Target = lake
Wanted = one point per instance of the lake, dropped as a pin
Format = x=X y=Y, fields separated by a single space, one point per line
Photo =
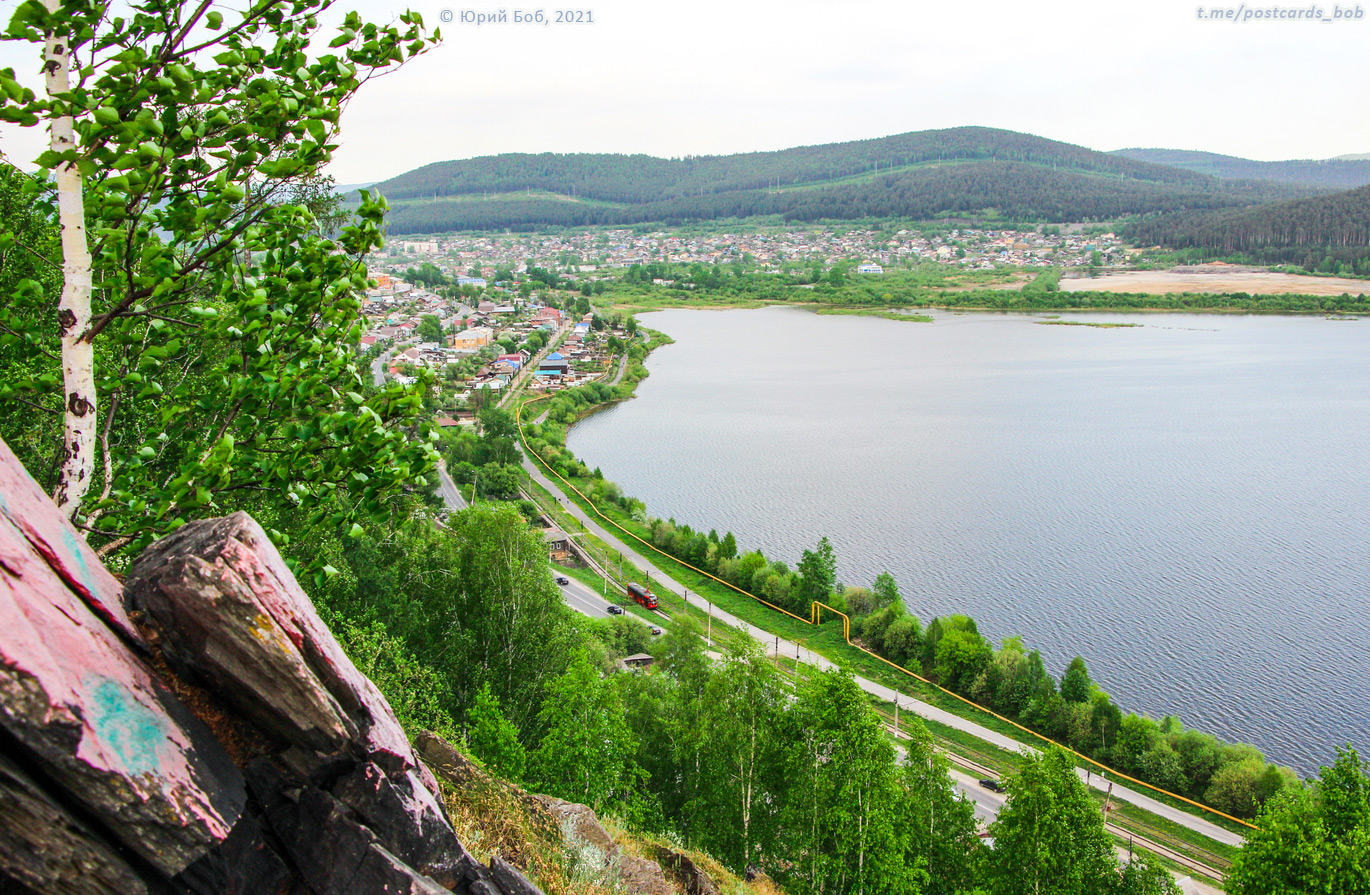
x=1184 y=503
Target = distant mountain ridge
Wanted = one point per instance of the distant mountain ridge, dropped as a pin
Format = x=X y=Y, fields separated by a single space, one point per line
x=1344 y=172
x=967 y=171
x=644 y=178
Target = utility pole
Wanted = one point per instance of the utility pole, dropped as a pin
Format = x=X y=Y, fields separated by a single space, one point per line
x=896 y=717
x=711 y=624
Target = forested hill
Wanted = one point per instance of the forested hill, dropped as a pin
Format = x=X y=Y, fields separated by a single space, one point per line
x=1338 y=173
x=638 y=179
x=965 y=172
x=1331 y=233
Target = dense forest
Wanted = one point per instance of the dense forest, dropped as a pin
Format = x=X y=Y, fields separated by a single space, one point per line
x=1327 y=233
x=1338 y=173
x=985 y=189
x=639 y=179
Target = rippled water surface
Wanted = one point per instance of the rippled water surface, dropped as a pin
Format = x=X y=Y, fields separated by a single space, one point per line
x=1184 y=503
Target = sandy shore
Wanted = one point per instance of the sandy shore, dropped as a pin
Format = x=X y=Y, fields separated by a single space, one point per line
x=1215 y=280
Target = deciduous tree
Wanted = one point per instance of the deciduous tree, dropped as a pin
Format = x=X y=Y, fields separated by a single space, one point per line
x=1049 y=839
x=817 y=574
x=586 y=753
x=886 y=590
x=206 y=328
x=493 y=739
x=1076 y=683
x=743 y=705
x=1311 y=838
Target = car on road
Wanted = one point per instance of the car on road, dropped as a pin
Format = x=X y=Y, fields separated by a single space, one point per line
x=563 y=580
x=992 y=785
x=615 y=610
x=655 y=631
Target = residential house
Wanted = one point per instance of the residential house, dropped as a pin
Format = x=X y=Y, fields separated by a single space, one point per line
x=554 y=364
x=558 y=545
x=473 y=339
x=547 y=315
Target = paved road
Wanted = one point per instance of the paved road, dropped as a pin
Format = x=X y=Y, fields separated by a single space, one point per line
x=378 y=368
x=786 y=648
x=987 y=803
x=585 y=599
x=451 y=494
x=622 y=368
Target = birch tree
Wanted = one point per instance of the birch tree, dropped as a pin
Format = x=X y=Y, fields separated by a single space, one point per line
x=744 y=702
x=1049 y=839
x=205 y=325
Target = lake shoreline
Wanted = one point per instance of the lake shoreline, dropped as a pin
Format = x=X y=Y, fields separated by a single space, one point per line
x=1206 y=719
x=911 y=311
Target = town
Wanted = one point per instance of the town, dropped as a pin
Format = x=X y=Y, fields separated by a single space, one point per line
x=594 y=254
x=477 y=352
x=473 y=314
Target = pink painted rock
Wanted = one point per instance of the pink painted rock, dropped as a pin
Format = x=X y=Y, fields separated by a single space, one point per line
x=83 y=706
x=28 y=509
x=228 y=609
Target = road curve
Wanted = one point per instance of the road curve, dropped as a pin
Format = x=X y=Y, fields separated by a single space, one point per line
x=908 y=703
x=378 y=368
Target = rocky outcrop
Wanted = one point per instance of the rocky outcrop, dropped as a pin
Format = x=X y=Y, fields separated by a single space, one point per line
x=689 y=874
x=226 y=609
x=460 y=772
x=83 y=719
x=641 y=876
x=581 y=827
x=580 y=823
x=198 y=730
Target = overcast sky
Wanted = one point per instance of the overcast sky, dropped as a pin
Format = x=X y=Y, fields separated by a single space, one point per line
x=721 y=76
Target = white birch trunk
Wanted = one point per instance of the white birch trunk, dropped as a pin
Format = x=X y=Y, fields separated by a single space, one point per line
x=73 y=312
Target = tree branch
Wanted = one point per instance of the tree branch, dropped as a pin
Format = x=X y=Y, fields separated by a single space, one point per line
x=249 y=18
x=134 y=295
x=113 y=545
x=109 y=463
x=172 y=42
x=35 y=406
